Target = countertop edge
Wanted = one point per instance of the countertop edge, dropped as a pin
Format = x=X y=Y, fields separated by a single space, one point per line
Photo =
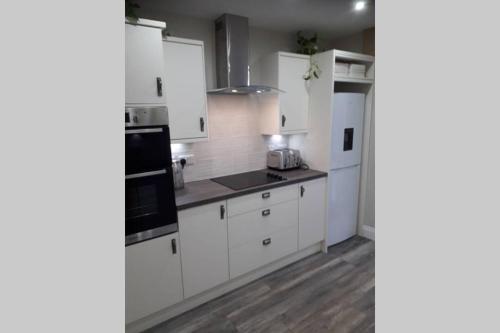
x=249 y=191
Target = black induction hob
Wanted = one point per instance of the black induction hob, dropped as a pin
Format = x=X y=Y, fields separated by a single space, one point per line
x=244 y=180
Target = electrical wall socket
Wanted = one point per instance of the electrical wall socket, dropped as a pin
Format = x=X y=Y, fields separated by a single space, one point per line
x=188 y=157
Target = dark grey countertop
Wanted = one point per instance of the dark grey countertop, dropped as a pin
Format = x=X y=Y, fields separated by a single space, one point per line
x=202 y=192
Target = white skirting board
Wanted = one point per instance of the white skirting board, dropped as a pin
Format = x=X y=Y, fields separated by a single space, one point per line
x=368 y=232
x=192 y=302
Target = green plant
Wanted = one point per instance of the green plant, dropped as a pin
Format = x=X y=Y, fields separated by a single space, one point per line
x=307 y=46
x=130 y=8
x=310 y=47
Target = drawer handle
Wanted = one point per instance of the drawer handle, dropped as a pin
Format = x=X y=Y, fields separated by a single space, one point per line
x=174 y=246
x=222 y=212
x=266 y=241
x=302 y=190
x=266 y=212
x=266 y=195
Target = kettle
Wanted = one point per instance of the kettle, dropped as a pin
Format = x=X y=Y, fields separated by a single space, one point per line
x=177 y=167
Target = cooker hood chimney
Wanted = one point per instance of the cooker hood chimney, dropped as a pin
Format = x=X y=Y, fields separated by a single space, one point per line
x=231 y=57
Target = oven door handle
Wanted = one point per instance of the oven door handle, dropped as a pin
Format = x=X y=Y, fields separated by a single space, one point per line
x=146 y=174
x=144 y=130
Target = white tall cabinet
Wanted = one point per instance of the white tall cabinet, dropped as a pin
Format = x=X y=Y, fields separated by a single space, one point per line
x=288 y=111
x=316 y=146
x=153 y=278
x=185 y=89
x=203 y=233
x=144 y=69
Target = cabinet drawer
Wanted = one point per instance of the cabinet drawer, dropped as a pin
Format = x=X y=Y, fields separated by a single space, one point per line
x=244 y=258
x=258 y=200
x=257 y=224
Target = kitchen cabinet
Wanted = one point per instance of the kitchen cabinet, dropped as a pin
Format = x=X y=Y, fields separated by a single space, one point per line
x=286 y=112
x=312 y=210
x=153 y=278
x=144 y=69
x=262 y=228
x=185 y=89
x=204 y=247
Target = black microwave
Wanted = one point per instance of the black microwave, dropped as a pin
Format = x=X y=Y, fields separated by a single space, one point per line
x=150 y=209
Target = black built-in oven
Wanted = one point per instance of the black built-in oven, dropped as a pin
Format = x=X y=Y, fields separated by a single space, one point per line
x=150 y=209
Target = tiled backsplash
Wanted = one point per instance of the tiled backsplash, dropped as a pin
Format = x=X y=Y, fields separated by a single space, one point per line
x=235 y=143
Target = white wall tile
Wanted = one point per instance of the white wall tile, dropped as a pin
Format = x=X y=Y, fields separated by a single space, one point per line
x=235 y=143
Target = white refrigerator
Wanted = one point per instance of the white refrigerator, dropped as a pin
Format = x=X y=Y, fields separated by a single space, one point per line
x=344 y=173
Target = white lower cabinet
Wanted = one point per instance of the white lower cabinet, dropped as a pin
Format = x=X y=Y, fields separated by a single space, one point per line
x=312 y=209
x=153 y=279
x=261 y=251
x=203 y=240
x=265 y=234
x=213 y=246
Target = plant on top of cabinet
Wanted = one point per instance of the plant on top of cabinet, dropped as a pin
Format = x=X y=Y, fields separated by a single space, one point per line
x=130 y=8
x=310 y=47
x=287 y=112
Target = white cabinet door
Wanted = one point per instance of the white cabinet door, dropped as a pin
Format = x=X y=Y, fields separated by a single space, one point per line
x=153 y=279
x=312 y=209
x=144 y=71
x=294 y=103
x=185 y=88
x=203 y=234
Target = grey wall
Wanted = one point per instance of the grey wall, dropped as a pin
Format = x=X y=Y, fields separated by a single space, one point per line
x=353 y=43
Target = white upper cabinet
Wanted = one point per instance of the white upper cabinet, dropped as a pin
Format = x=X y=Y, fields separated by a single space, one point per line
x=287 y=112
x=312 y=210
x=185 y=89
x=203 y=233
x=153 y=278
x=144 y=70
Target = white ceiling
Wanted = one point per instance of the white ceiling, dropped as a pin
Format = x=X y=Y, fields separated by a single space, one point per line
x=330 y=18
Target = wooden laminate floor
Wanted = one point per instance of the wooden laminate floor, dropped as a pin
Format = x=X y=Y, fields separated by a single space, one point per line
x=332 y=292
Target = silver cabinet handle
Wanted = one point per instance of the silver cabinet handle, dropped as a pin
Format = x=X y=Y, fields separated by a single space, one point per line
x=144 y=130
x=266 y=212
x=302 y=190
x=266 y=241
x=283 y=120
x=145 y=174
x=266 y=195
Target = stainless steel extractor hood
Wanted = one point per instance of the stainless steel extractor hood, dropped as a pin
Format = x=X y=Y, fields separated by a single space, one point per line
x=231 y=57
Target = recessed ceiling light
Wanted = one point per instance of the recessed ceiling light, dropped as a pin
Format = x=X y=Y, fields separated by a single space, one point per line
x=234 y=90
x=359 y=5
